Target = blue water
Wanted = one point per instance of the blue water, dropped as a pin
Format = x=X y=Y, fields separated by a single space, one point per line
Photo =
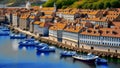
x=14 y=56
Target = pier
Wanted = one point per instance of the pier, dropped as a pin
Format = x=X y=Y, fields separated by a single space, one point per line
x=65 y=46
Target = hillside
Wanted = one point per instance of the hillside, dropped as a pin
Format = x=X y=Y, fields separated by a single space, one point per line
x=19 y=2
x=86 y=4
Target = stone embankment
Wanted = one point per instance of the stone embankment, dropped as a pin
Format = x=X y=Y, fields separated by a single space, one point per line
x=65 y=46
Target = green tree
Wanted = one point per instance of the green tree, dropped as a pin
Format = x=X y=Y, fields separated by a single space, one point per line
x=100 y=5
x=115 y=3
x=49 y=3
x=107 y=4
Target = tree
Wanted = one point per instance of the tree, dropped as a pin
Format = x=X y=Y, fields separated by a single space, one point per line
x=115 y=3
x=107 y=4
x=100 y=5
x=49 y=3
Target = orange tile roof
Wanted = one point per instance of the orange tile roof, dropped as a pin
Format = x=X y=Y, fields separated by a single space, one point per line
x=70 y=13
x=37 y=22
x=73 y=29
x=48 y=13
x=58 y=26
x=36 y=7
x=95 y=19
x=42 y=24
x=47 y=9
x=44 y=17
x=91 y=31
x=108 y=32
x=24 y=16
x=32 y=17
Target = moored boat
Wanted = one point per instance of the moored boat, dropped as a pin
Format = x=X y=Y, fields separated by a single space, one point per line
x=85 y=58
x=41 y=45
x=2 y=33
x=68 y=53
x=17 y=36
x=29 y=42
x=5 y=29
x=101 y=61
x=46 y=49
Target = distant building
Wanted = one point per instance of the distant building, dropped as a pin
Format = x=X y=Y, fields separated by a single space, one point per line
x=24 y=21
x=16 y=19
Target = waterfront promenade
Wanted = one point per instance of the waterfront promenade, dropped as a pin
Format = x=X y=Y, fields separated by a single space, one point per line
x=65 y=46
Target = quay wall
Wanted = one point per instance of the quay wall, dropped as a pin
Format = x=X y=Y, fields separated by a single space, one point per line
x=101 y=48
x=100 y=51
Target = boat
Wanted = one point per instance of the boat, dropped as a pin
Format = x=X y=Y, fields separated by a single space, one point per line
x=86 y=58
x=68 y=53
x=101 y=61
x=29 y=42
x=46 y=49
x=17 y=36
x=5 y=29
x=2 y=33
x=41 y=45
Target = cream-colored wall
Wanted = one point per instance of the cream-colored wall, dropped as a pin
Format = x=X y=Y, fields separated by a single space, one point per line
x=68 y=42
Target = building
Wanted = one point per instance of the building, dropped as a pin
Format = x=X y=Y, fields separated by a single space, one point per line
x=55 y=31
x=41 y=28
x=9 y=17
x=96 y=21
x=24 y=21
x=71 y=16
x=71 y=34
x=15 y=19
x=103 y=39
x=46 y=19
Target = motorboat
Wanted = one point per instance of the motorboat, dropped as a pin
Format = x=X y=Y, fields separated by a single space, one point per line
x=101 y=61
x=68 y=53
x=41 y=45
x=29 y=42
x=5 y=29
x=17 y=36
x=2 y=33
x=86 y=58
x=46 y=49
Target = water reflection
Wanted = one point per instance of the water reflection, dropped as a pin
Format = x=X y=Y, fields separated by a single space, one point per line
x=102 y=66
x=12 y=53
x=90 y=64
x=15 y=45
x=38 y=53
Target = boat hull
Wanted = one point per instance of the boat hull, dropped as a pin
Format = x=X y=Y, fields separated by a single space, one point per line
x=84 y=60
x=45 y=50
x=13 y=37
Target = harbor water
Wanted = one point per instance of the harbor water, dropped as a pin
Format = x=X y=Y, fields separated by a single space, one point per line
x=14 y=56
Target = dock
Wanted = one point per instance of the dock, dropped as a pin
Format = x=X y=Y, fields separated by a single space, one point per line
x=68 y=47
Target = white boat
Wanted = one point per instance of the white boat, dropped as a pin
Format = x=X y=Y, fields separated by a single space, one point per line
x=86 y=58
